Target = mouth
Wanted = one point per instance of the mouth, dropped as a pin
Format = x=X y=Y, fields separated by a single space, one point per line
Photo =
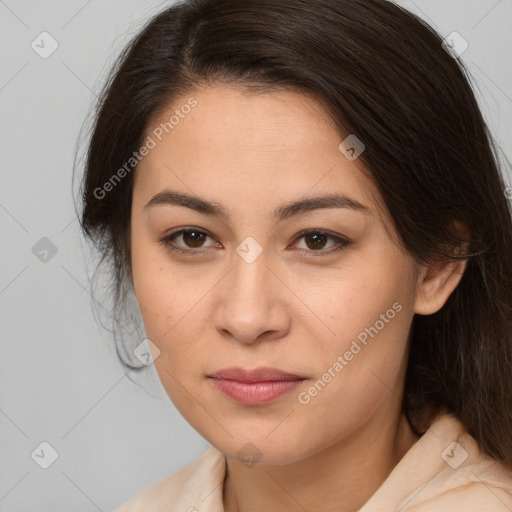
x=255 y=387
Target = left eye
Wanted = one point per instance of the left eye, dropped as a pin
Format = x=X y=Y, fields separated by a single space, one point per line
x=194 y=238
x=318 y=237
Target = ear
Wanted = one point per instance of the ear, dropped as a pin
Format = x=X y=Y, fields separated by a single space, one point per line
x=437 y=281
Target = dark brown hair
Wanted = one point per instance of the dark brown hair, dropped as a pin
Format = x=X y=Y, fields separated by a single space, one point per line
x=383 y=74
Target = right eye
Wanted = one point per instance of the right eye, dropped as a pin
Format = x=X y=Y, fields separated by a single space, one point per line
x=192 y=238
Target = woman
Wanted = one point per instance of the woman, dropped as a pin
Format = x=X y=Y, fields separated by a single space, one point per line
x=305 y=202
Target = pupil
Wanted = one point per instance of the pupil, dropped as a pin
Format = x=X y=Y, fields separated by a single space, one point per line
x=195 y=239
x=319 y=240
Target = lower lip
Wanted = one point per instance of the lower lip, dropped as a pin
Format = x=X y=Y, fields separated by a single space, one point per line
x=255 y=393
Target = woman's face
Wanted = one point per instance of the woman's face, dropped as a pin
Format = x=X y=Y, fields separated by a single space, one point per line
x=249 y=291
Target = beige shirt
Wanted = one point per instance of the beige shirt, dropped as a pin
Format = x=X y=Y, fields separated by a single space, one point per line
x=444 y=471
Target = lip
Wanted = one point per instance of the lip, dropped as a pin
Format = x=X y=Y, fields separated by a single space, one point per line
x=255 y=387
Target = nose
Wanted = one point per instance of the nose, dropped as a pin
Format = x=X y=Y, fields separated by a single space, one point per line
x=251 y=305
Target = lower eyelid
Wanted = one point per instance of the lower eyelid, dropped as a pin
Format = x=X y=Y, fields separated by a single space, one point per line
x=168 y=240
x=341 y=243
x=332 y=238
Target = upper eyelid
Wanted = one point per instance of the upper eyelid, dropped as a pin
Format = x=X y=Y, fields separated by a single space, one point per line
x=302 y=233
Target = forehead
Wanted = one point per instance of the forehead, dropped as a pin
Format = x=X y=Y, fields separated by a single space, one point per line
x=241 y=145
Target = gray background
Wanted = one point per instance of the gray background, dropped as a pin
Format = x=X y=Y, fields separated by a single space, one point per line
x=60 y=380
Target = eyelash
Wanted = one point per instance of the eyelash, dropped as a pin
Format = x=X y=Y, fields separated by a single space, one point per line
x=343 y=242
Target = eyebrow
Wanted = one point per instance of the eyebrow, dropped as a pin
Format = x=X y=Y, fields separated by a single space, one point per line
x=282 y=212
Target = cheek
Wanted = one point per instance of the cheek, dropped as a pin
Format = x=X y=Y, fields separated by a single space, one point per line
x=157 y=290
x=171 y=308
x=155 y=305
x=356 y=378
x=365 y=295
x=361 y=356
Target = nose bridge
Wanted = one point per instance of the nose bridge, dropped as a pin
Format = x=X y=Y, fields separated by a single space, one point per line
x=249 y=278
x=249 y=306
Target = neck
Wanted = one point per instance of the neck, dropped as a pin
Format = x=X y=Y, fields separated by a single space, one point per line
x=340 y=478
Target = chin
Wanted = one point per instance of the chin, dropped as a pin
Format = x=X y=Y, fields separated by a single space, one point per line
x=261 y=450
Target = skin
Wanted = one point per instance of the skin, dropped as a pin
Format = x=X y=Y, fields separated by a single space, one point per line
x=289 y=309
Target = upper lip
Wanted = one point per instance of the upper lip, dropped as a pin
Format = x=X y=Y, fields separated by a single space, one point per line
x=262 y=374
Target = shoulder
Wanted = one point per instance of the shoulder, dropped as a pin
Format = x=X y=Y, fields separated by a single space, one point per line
x=197 y=487
x=470 y=496
x=445 y=471
x=464 y=479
